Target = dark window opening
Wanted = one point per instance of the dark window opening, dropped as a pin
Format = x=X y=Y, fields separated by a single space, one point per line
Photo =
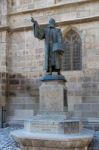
x=72 y=59
x=65 y=100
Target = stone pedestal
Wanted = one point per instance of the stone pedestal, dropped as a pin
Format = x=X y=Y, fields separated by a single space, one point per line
x=52 y=129
x=52 y=96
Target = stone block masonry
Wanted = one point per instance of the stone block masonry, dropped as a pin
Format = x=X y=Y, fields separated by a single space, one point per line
x=52 y=96
x=23 y=103
x=22 y=56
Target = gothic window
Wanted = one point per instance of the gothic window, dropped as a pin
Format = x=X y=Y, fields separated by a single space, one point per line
x=72 y=59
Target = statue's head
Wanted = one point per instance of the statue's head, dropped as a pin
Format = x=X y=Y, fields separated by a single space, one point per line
x=52 y=23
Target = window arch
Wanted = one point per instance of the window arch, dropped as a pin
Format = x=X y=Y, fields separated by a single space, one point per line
x=72 y=59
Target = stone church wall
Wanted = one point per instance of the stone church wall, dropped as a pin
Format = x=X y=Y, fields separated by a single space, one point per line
x=24 y=55
x=3 y=54
x=83 y=85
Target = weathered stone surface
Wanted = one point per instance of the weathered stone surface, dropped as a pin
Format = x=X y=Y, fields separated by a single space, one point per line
x=53 y=124
x=52 y=96
x=24 y=55
x=35 y=141
x=86 y=110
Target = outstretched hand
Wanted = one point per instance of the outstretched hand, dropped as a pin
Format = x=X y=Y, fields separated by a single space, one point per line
x=32 y=19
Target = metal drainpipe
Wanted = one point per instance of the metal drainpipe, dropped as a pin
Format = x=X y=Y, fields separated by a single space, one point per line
x=2 y=116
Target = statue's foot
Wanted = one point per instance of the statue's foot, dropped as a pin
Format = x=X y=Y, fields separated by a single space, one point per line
x=59 y=73
x=48 y=73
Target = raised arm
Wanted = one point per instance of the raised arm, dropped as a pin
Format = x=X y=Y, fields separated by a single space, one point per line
x=32 y=19
x=38 y=31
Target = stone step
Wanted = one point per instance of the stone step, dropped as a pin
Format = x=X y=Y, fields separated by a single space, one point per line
x=86 y=110
x=52 y=116
x=19 y=116
x=45 y=141
x=52 y=125
x=91 y=123
x=90 y=99
x=14 y=122
x=87 y=107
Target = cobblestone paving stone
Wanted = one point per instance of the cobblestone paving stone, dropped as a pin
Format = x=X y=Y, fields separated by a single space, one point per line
x=6 y=141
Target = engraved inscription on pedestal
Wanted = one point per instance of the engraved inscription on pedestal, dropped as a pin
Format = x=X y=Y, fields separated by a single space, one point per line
x=53 y=126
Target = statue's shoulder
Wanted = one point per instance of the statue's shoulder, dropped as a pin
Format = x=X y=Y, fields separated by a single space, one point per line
x=58 y=29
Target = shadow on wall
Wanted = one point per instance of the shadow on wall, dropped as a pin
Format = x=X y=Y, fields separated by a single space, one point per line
x=17 y=83
x=19 y=94
x=23 y=89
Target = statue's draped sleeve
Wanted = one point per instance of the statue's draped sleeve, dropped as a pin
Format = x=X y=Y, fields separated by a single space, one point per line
x=60 y=39
x=38 y=31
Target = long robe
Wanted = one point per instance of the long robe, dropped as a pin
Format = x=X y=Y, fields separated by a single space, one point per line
x=51 y=36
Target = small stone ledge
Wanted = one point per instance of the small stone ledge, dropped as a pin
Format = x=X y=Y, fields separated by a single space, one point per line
x=3 y=28
x=53 y=78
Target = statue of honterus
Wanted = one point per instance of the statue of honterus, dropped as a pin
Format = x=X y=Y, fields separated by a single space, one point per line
x=53 y=44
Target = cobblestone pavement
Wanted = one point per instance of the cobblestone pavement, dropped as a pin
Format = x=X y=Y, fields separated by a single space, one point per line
x=6 y=141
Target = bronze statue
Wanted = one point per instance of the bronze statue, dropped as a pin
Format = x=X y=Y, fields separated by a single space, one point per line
x=53 y=44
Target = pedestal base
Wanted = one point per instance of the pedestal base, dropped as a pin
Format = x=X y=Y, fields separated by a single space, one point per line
x=37 y=141
x=52 y=123
x=52 y=130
